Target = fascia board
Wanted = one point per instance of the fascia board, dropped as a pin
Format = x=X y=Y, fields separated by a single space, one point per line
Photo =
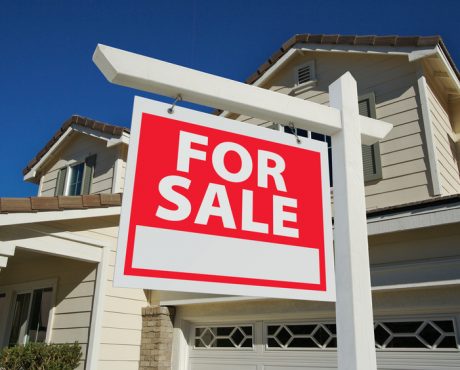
x=123 y=139
x=450 y=70
x=27 y=218
x=410 y=52
x=271 y=71
x=413 y=220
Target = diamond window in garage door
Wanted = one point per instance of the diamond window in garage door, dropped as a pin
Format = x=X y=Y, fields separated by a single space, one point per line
x=236 y=337
x=415 y=334
x=424 y=334
x=291 y=336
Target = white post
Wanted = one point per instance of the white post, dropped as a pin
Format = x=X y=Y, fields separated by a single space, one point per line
x=355 y=333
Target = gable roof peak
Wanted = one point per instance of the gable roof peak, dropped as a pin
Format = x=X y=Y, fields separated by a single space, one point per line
x=76 y=120
x=352 y=40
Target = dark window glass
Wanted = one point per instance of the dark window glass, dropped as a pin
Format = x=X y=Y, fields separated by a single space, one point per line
x=76 y=179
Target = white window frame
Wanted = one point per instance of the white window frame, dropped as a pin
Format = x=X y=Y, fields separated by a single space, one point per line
x=410 y=318
x=68 y=174
x=11 y=291
x=222 y=324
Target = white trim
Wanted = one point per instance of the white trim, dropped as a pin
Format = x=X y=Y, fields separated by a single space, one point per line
x=123 y=139
x=33 y=171
x=58 y=247
x=180 y=346
x=412 y=53
x=93 y=133
x=427 y=128
x=3 y=261
x=428 y=284
x=117 y=171
x=412 y=220
x=450 y=70
x=7 y=249
x=278 y=64
x=94 y=342
x=40 y=186
x=56 y=233
x=29 y=217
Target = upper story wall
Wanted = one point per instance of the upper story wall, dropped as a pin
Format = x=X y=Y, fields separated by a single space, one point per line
x=393 y=81
x=108 y=171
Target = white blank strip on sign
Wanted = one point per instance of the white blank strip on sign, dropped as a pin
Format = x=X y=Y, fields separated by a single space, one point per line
x=179 y=251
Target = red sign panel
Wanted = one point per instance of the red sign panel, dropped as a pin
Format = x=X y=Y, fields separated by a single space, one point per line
x=218 y=206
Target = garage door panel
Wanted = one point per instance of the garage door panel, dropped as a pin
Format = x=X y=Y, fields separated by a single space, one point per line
x=411 y=343
x=220 y=366
x=296 y=367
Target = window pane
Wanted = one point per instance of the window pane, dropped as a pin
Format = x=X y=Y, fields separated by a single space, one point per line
x=300 y=131
x=76 y=179
x=234 y=336
x=39 y=313
x=19 y=324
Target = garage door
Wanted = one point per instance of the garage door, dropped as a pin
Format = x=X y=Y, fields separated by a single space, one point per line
x=420 y=343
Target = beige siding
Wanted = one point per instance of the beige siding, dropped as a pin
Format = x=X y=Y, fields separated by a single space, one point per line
x=74 y=150
x=443 y=140
x=393 y=81
x=424 y=255
x=121 y=319
x=75 y=283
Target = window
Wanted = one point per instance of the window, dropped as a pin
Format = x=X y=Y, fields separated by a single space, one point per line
x=29 y=316
x=234 y=336
x=319 y=137
x=371 y=153
x=305 y=73
x=422 y=334
x=76 y=179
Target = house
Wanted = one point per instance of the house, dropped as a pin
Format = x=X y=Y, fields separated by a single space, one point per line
x=58 y=250
x=58 y=247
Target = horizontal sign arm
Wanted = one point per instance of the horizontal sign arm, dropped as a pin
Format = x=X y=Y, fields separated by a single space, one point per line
x=153 y=75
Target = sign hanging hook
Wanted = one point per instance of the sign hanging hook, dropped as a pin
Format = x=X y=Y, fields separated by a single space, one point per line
x=171 y=108
x=294 y=131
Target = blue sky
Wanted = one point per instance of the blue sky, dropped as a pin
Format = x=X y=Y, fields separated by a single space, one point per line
x=46 y=72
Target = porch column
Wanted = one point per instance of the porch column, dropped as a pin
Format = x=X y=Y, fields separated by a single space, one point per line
x=157 y=337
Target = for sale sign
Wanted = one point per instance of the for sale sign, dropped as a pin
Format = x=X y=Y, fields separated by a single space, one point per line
x=214 y=205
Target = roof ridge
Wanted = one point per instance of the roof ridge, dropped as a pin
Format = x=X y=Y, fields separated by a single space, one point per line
x=58 y=203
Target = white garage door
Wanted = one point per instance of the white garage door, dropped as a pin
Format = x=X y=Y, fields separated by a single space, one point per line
x=418 y=344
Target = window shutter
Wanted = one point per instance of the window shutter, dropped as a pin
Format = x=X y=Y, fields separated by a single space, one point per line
x=60 y=182
x=371 y=153
x=90 y=163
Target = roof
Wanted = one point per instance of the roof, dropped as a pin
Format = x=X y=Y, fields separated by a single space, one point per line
x=322 y=39
x=79 y=121
x=59 y=203
x=62 y=203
